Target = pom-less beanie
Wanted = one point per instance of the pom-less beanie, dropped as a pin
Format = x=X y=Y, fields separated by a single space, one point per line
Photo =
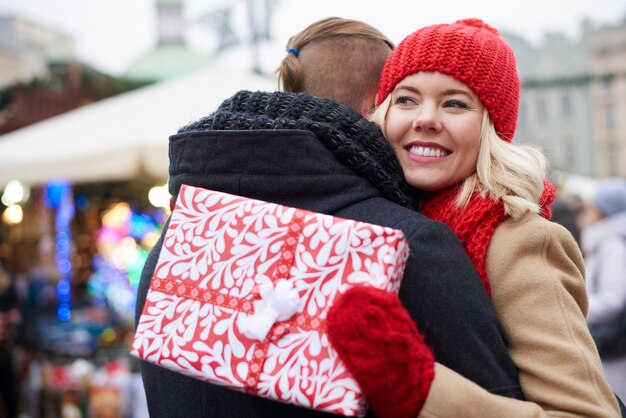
x=470 y=51
x=610 y=196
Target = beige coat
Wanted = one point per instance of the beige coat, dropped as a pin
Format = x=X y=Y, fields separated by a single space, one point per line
x=536 y=274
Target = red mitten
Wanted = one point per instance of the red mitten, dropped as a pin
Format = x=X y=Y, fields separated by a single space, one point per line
x=382 y=348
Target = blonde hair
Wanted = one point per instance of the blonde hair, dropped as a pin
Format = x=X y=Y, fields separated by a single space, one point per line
x=505 y=171
x=337 y=58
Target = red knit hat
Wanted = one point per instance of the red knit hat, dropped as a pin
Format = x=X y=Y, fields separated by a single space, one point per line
x=470 y=51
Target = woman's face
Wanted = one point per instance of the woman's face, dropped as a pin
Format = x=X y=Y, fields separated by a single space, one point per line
x=433 y=124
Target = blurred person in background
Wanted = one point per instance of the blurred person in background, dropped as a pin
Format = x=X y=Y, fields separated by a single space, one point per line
x=10 y=318
x=603 y=241
x=566 y=211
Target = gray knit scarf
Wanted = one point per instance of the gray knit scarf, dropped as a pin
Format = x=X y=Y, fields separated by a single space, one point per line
x=355 y=141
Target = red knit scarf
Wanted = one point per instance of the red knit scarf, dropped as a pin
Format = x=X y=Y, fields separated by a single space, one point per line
x=475 y=224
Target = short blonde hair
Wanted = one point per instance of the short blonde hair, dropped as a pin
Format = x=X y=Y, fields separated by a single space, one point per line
x=509 y=172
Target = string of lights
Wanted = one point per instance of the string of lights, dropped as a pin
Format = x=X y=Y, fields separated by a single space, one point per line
x=59 y=196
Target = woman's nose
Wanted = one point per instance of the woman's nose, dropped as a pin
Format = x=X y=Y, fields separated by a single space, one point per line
x=427 y=119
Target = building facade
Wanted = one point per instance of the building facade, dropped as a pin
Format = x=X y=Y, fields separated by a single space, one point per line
x=26 y=49
x=573 y=103
x=607 y=49
x=555 y=108
x=171 y=57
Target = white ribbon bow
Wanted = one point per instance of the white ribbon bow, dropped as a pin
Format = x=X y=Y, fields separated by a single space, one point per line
x=277 y=303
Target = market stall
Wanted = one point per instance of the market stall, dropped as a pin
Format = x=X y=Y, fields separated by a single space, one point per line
x=117 y=138
x=85 y=226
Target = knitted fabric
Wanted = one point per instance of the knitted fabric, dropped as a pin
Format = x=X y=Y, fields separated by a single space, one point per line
x=355 y=141
x=547 y=197
x=381 y=346
x=475 y=224
x=470 y=51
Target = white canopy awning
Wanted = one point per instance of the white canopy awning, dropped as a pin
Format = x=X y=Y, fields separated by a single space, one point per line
x=119 y=137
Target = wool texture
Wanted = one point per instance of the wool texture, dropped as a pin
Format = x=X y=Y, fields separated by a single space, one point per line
x=475 y=223
x=383 y=349
x=472 y=52
x=353 y=139
x=547 y=197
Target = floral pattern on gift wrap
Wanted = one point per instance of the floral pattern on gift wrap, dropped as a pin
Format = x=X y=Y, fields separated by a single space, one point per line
x=217 y=251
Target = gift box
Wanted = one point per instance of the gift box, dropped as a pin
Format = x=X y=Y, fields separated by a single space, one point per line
x=241 y=290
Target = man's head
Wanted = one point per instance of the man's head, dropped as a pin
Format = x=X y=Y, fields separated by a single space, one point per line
x=336 y=58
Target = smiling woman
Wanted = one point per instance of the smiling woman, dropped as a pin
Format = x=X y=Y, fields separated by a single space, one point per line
x=448 y=102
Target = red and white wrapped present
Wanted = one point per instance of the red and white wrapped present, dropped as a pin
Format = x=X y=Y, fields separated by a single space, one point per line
x=241 y=290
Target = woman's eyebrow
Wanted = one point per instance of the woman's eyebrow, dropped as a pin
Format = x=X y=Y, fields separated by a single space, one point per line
x=406 y=87
x=452 y=92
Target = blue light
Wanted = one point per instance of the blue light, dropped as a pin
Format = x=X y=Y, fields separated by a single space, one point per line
x=81 y=202
x=64 y=267
x=64 y=298
x=140 y=225
x=54 y=193
x=159 y=216
x=64 y=312
x=58 y=195
x=63 y=287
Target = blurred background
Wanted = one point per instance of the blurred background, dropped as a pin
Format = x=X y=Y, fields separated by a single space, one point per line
x=91 y=90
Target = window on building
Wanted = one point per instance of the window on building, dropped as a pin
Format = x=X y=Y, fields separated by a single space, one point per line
x=566 y=104
x=609 y=117
x=542 y=110
x=612 y=157
x=170 y=24
x=569 y=153
x=607 y=81
x=603 y=51
x=523 y=116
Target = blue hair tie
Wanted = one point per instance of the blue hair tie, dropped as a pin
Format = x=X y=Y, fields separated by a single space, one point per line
x=293 y=51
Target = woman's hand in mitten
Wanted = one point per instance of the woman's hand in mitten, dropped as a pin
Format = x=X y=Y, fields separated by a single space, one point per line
x=383 y=349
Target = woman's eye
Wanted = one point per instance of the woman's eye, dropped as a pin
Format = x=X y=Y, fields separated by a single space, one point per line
x=404 y=100
x=455 y=103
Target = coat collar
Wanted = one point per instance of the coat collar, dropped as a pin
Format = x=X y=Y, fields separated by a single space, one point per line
x=354 y=142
